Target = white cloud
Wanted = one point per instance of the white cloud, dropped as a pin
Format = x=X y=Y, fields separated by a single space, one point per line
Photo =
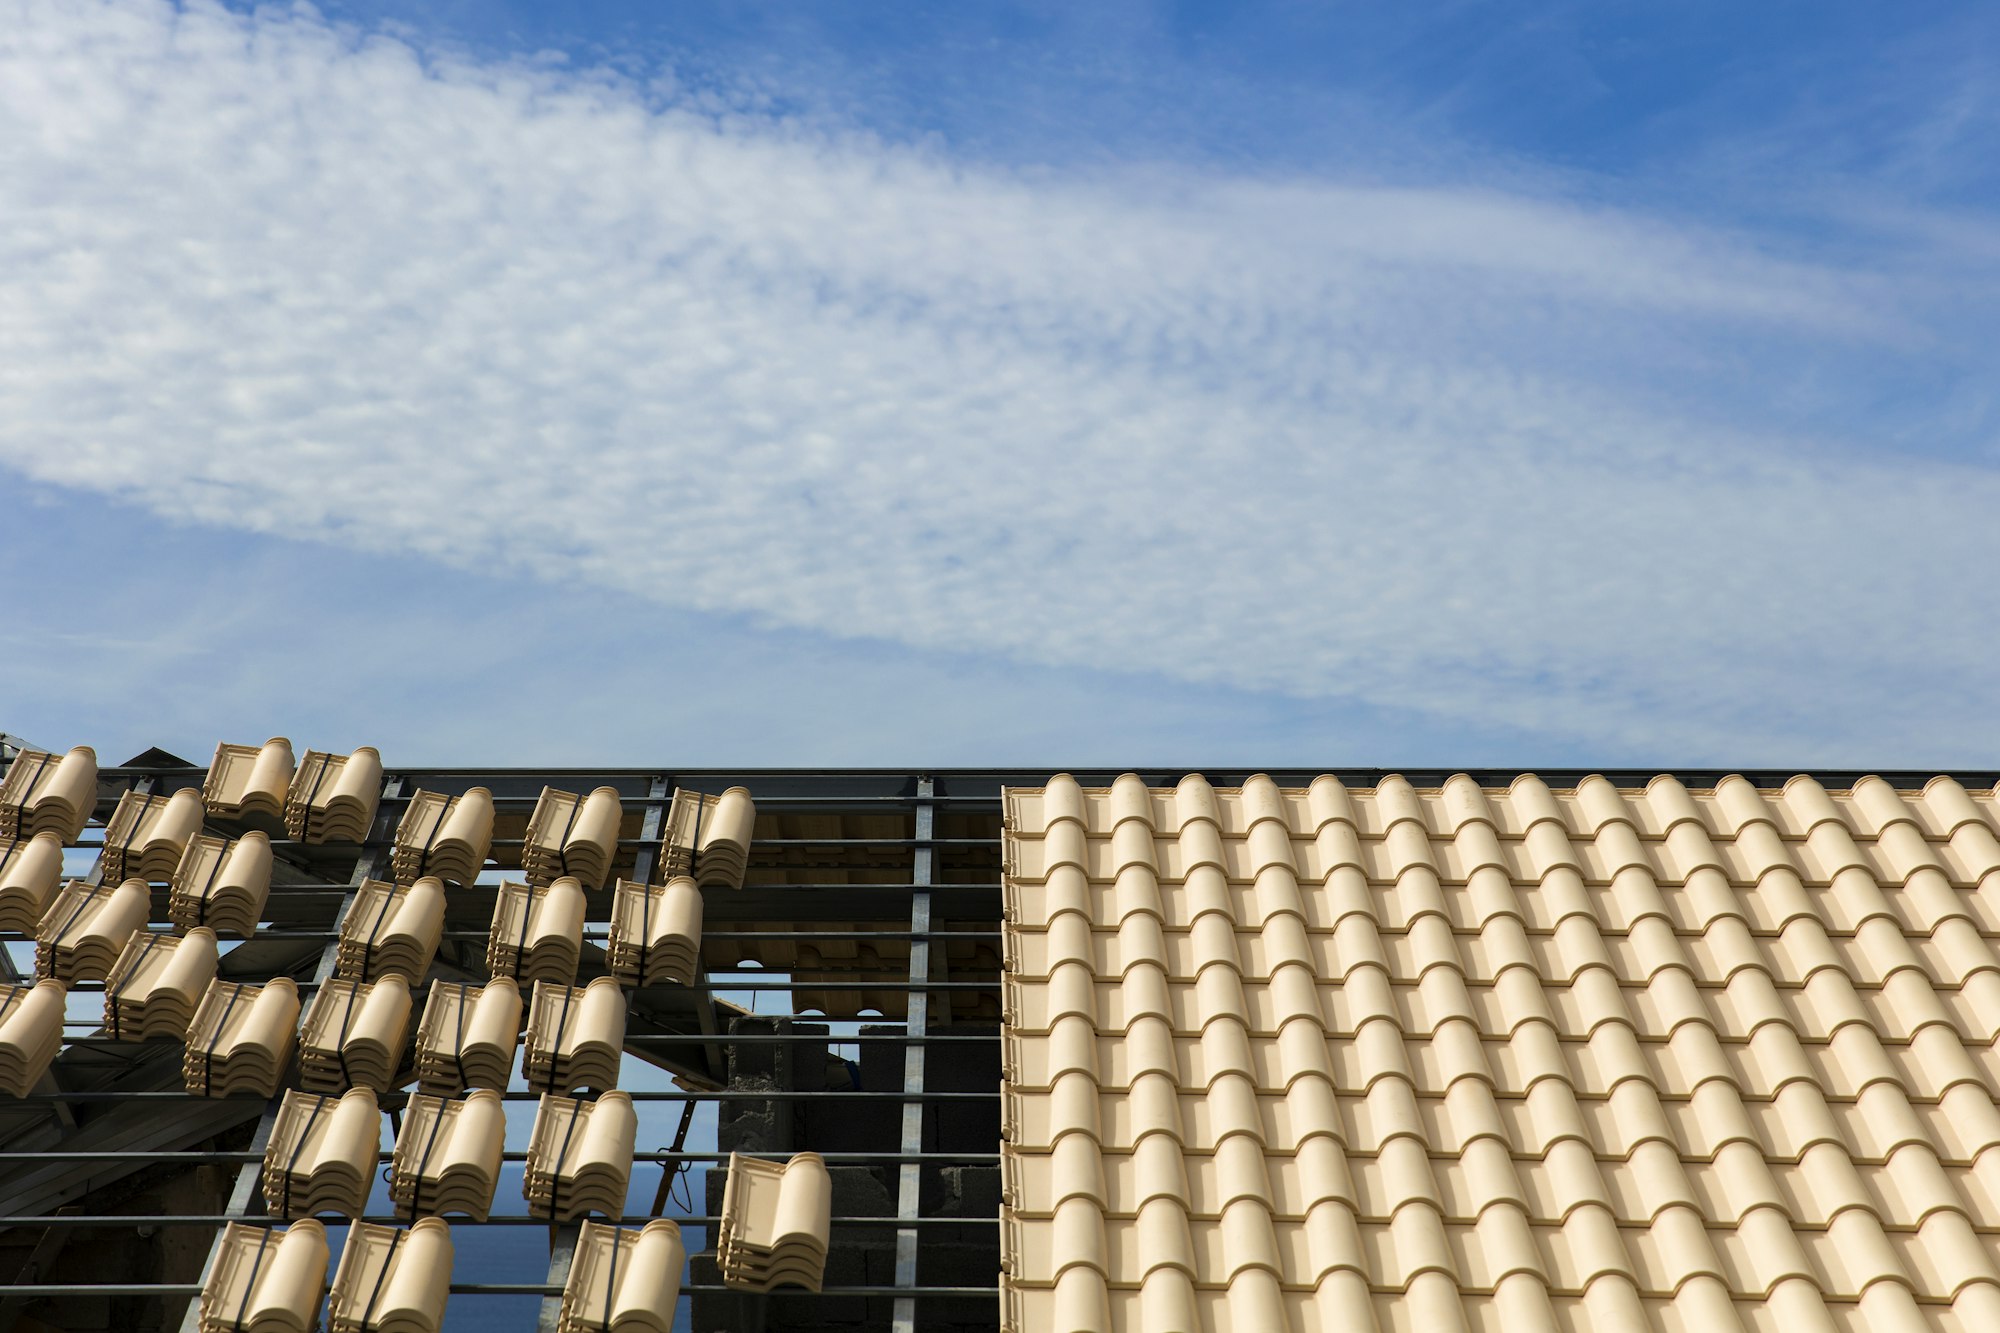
x=1447 y=449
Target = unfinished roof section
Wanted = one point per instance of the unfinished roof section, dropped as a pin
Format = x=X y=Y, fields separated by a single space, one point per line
x=1509 y=1058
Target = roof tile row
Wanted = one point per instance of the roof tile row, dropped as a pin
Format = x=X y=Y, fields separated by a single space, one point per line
x=1526 y=1046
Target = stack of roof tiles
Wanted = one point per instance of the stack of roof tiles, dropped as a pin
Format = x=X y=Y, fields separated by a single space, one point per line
x=147 y=835
x=445 y=836
x=31 y=1019
x=265 y=1280
x=221 y=884
x=240 y=1039
x=392 y=1280
x=1519 y=1059
x=43 y=793
x=354 y=1034
x=575 y=1036
x=333 y=796
x=776 y=1217
x=30 y=869
x=572 y=835
x=623 y=1281
x=322 y=1153
x=86 y=928
x=391 y=929
x=655 y=932
x=537 y=931
x=447 y=1157
x=468 y=1036
x=249 y=782
x=708 y=837
x=580 y=1157
x=153 y=988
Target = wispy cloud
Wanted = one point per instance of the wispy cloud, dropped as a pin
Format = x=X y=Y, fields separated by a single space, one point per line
x=1500 y=457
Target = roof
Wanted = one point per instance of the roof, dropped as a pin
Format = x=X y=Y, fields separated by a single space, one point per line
x=1637 y=1057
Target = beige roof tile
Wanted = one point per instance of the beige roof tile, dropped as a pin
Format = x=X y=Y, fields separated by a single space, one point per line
x=468 y=1036
x=249 y=781
x=392 y=929
x=353 y=1035
x=537 y=931
x=153 y=988
x=447 y=1157
x=85 y=929
x=333 y=796
x=708 y=837
x=580 y=1157
x=52 y=793
x=221 y=884
x=1517 y=1059
x=240 y=1039
x=147 y=835
x=266 y=1280
x=445 y=836
x=30 y=869
x=624 y=1281
x=776 y=1218
x=656 y=932
x=31 y=1019
x=392 y=1279
x=572 y=835
x=322 y=1154
x=575 y=1036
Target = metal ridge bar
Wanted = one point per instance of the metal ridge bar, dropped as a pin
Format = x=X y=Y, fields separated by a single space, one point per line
x=909 y=1178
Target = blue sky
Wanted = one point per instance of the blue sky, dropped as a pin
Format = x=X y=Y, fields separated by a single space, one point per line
x=1038 y=384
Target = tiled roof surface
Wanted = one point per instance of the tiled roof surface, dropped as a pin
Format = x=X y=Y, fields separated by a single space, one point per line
x=1518 y=1059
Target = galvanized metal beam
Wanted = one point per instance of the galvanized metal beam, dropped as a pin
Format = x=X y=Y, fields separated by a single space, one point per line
x=909 y=1177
